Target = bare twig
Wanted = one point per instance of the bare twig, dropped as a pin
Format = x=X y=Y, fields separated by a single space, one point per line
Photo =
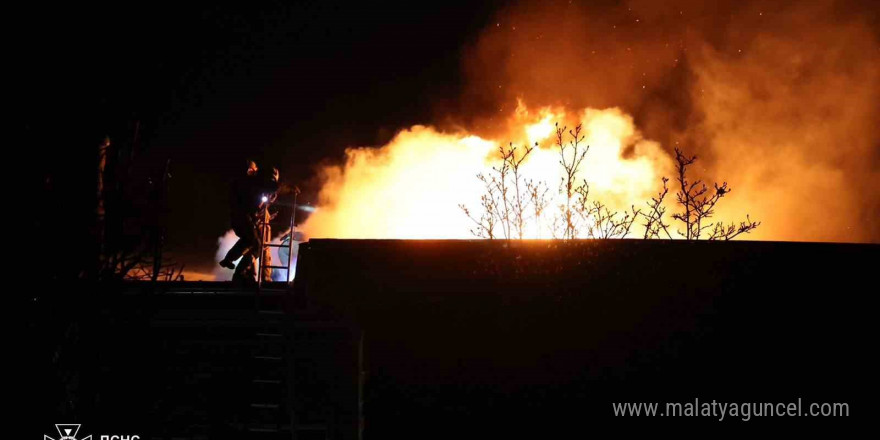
x=698 y=203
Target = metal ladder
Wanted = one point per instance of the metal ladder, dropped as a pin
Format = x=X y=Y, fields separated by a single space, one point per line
x=266 y=244
x=274 y=360
x=269 y=404
x=269 y=407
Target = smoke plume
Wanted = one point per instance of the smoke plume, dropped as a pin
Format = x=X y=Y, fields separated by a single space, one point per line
x=777 y=98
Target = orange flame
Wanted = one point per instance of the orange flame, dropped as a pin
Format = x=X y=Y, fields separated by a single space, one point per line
x=411 y=187
x=777 y=98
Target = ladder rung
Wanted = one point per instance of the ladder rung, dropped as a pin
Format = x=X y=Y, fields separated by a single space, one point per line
x=311 y=427
x=276 y=267
x=276 y=245
x=263 y=430
x=267 y=381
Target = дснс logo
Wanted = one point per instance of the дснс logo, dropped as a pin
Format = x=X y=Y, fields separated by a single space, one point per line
x=67 y=431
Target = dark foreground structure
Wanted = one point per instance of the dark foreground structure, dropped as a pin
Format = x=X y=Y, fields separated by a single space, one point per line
x=384 y=338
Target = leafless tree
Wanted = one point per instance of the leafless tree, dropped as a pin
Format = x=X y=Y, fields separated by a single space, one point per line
x=728 y=232
x=537 y=193
x=519 y=200
x=510 y=201
x=597 y=219
x=610 y=224
x=490 y=214
x=698 y=205
x=571 y=156
x=509 y=197
x=654 y=216
x=501 y=185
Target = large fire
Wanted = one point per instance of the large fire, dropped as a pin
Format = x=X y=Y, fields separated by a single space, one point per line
x=779 y=99
x=412 y=187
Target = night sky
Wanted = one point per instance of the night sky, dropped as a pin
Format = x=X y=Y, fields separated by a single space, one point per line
x=286 y=84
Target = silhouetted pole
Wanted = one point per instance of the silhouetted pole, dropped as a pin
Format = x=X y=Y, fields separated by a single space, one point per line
x=292 y=235
x=100 y=213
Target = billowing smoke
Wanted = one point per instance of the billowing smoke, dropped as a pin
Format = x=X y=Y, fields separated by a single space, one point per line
x=225 y=242
x=777 y=98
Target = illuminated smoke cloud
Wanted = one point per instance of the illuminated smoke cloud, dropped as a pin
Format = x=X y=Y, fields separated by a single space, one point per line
x=777 y=98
